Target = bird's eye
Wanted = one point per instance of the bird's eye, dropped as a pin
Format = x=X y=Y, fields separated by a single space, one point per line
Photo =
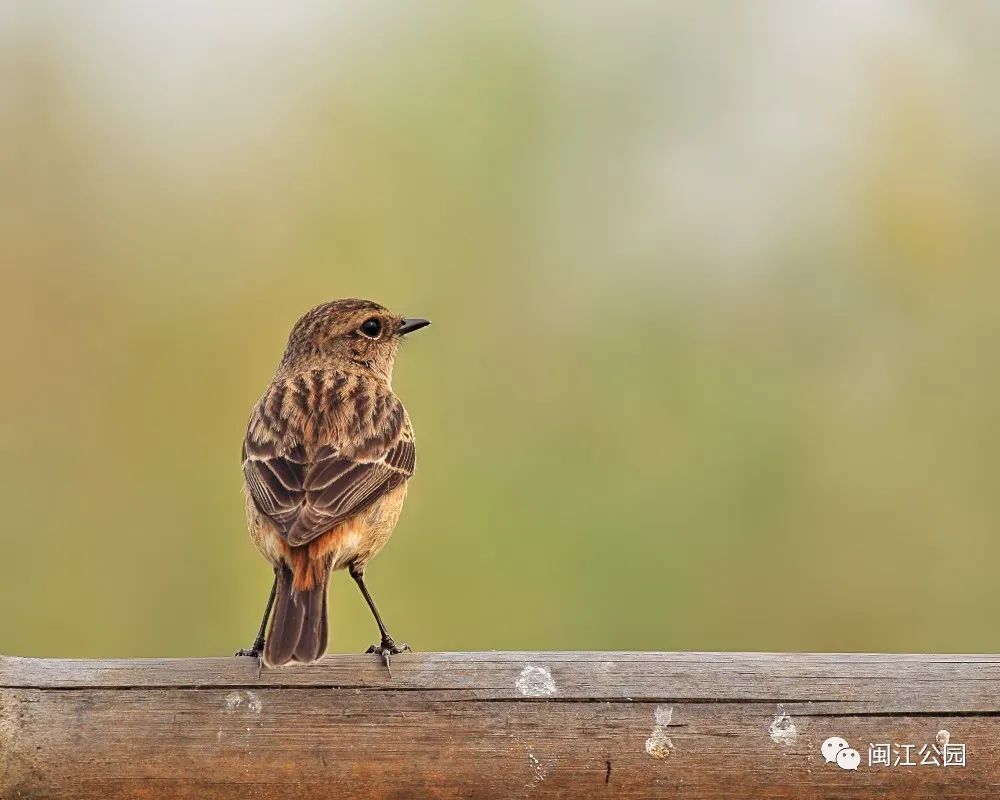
x=371 y=328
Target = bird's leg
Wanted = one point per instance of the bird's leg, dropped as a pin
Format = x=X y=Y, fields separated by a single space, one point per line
x=258 y=644
x=387 y=647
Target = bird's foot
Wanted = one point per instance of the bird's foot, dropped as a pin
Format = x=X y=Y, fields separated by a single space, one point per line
x=254 y=651
x=387 y=649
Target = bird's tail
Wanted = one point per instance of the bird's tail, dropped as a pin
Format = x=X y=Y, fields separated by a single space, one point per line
x=298 y=626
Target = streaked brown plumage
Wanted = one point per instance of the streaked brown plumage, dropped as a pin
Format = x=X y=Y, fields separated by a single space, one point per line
x=327 y=454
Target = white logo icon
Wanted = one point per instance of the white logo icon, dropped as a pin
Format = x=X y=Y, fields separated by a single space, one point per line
x=837 y=751
x=832 y=746
x=848 y=759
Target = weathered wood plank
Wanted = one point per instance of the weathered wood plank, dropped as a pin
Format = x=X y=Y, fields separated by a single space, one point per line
x=502 y=725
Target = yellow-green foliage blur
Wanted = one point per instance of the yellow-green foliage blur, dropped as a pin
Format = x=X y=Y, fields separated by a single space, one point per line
x=714 y=362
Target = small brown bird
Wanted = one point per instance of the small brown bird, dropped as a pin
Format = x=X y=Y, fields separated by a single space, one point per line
x=327 y=454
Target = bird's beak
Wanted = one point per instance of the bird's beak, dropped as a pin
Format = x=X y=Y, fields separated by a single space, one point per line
x=411 y=324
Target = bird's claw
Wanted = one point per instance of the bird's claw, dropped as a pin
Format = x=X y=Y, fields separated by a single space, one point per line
x=387 y=649
x=254 y=651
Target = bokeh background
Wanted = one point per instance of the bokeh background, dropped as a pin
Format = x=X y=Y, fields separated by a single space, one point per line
x=714 y=362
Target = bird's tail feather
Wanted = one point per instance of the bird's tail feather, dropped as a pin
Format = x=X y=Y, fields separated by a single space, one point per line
x=299 y=625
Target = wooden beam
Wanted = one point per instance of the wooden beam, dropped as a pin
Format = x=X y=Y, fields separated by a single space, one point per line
x=501 y=725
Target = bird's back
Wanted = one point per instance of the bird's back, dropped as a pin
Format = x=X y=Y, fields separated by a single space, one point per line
x=323 y=447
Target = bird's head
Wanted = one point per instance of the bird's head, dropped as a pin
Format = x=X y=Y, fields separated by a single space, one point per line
x=356 y=335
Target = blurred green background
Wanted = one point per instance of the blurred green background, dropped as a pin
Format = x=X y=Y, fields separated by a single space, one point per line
x=714 y=362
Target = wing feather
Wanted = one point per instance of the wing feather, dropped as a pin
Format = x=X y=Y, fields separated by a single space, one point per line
x=306 y=487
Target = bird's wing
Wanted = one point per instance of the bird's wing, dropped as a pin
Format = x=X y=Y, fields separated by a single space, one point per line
x=306 y=487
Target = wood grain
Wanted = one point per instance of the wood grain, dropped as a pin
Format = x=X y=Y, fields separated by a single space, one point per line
x=497 y=725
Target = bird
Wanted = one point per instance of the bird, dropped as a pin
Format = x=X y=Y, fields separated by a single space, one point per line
x=327 y=456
